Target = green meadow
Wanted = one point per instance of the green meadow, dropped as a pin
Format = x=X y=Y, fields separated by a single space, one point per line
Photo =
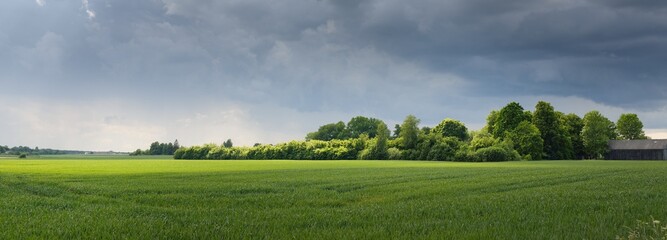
x=139 y=198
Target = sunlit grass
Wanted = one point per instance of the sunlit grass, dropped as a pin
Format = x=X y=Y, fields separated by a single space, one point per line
x=160 y=198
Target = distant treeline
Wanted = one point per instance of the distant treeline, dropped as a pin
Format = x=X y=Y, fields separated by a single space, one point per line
x=511 y=133
x=23 y=150
x=158 y=148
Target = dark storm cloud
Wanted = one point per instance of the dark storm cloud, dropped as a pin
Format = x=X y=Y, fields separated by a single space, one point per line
x=609 y=52
x=520 y=46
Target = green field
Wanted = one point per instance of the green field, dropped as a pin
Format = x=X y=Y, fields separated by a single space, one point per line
x=169 y=199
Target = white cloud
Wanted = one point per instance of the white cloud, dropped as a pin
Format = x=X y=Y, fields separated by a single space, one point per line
x=41 y=3
x=89 y=11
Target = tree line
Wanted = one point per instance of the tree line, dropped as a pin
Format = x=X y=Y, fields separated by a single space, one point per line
x=24 y=151
x=157 y=148
x=511 y=133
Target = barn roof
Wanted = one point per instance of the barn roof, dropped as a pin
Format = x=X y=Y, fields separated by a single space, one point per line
x=650 y=144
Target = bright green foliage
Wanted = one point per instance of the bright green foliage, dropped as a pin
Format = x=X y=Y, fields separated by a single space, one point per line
x=444 y=149
x=224 y=152
x=452 y=128
x=356 y=127
x=485 y=148
x=491 y=121
x=509 y=118
x=573 y=125
x=172 y=199
x=329 y=132
x=596 y=133
x=393 y=154
x=429 y=147
x=557 y=144
x=382 y=138
x=483 y=140
x=527 y=140
x=309 y=150
x=629 y=127
x=512 y=129
x=377 y=148
x=362 y=125
x=410 y=132
x=495 y=154
x=435 y=147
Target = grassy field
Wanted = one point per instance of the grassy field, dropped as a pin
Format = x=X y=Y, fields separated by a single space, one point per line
x=169 y=199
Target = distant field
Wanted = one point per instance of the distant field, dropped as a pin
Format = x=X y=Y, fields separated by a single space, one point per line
x=169 y=199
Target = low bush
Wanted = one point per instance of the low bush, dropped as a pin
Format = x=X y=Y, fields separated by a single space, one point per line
x=495 y=154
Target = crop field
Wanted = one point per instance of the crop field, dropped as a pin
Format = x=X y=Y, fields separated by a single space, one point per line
x=112 y=198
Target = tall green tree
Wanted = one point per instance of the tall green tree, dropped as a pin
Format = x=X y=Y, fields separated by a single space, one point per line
x=409 y=134
x=228 y=143
x=376 y=148
x=557 y=145
x=397 y=130
x=596 y=133
x=629 y=127
x=509 y=118
x=359 y=125
x=426 y=130
x=155 y=149
x=380 y=149
x=452 y=128
x=527 y=140
x=573 y=126
x=491 y=121
x=329 y=132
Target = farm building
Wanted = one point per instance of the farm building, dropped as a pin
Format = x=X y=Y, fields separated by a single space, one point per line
x=651 y=149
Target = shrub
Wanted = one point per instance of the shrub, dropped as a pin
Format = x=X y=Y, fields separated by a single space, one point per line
x=393 y=153
x=23 y=155
x=444 y=150
x=496 y=154
x=179 y=153
x=409 y=154
x=483 y=141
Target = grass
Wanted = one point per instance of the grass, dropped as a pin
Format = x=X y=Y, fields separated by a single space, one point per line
x=110 y=198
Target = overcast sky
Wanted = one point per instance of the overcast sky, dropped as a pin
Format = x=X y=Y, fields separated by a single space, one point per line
x=120 y=74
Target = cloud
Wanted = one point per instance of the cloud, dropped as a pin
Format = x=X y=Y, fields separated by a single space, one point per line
x=45 y=56
x=89 y=11
x=84 y=126
x=540 y=45
x=121 y=125
x=40 y=3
